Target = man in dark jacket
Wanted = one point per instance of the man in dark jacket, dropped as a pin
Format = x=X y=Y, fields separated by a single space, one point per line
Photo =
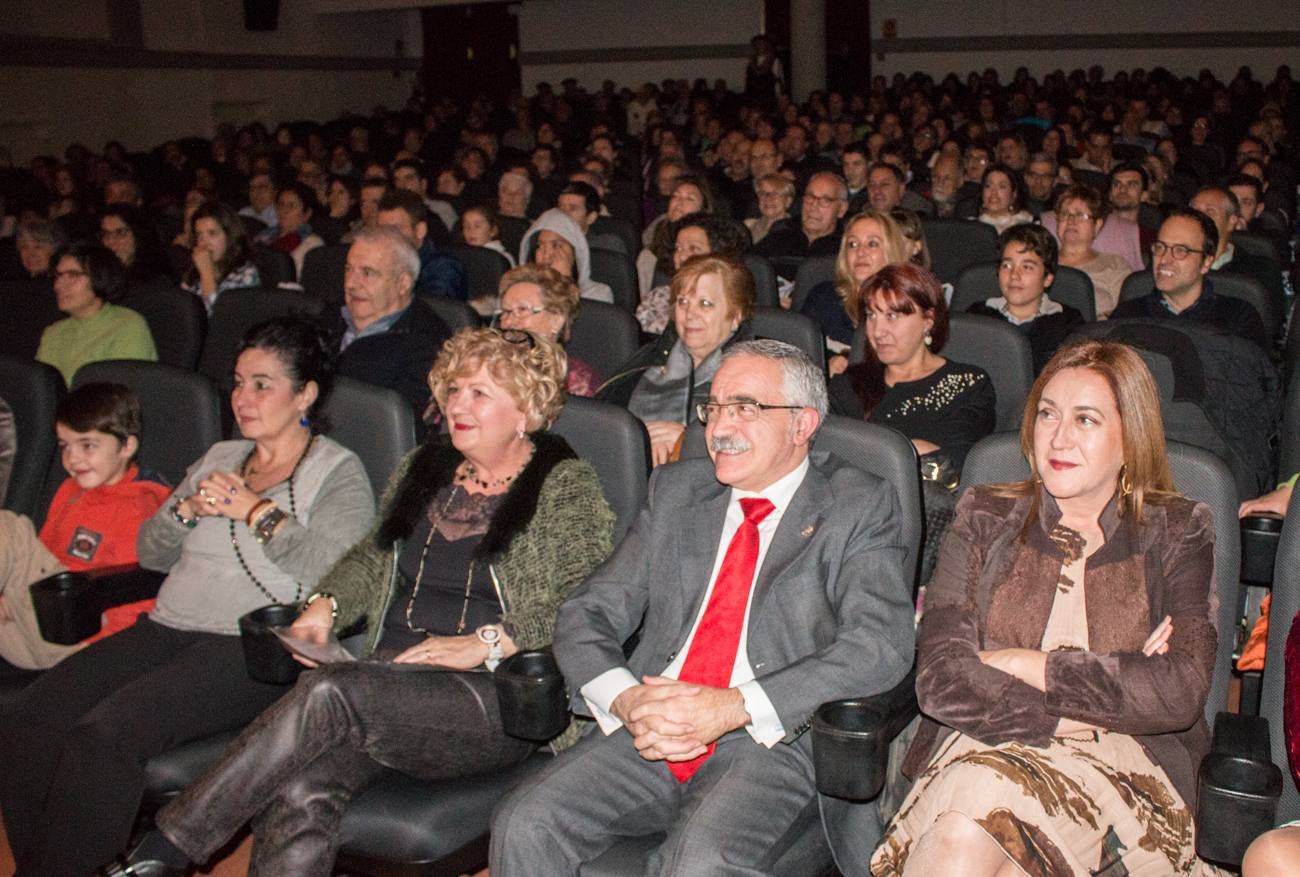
x=818 y=231
x=1181 y=257
x=440 y=274
x=385 y=339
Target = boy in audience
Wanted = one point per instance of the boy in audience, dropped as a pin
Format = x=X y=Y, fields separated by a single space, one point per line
x=1026 y=269
x=91 y=522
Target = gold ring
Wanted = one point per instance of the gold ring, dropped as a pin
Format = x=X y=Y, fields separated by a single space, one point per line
x=212 y=500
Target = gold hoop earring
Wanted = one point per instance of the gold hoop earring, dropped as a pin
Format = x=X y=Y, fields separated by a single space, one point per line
x=1125 y=483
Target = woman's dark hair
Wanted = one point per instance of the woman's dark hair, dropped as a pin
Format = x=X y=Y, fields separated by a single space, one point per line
x=238 y=248
x=107 y=275
x=903 y=288
x=303 y=348
x=101 y=407
x=726 y=238
x=1016 y=180
x=150 y=257
x=349 y=183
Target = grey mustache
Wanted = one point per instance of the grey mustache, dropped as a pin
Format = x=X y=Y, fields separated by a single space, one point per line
x=724 y=443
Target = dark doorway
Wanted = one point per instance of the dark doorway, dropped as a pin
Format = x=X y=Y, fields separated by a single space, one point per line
x=848 y=45
x=471 y=49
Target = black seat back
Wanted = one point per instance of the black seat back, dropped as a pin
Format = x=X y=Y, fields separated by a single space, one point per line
x=812 y=271
x=1001 y=350
x=955 y=244
x=791 y=327
x=483 y=266
x=182 y=411
x=887 y=453
x=237 y=311
x=322 y=274
x=618 y=272
x=29 y=308
x=454 y=312
x=1071 y=287
x=177 y=320
x=604 y=336
x=273 y=266
x=615 y=442
x=33 y=391
x=1198 y=475
x=375 y=423
x=765 y=288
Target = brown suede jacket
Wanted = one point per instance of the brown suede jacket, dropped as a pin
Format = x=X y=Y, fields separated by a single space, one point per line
x=993 y=589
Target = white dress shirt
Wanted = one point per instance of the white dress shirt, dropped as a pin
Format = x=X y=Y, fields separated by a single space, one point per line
x=765 y=726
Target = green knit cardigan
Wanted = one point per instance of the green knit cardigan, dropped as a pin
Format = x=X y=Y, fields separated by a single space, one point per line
x=549 y=533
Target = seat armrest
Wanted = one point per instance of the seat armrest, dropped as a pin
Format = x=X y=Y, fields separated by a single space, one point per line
x=851 y=740
x=1260 y=535
x=69 y=605
x=1238 y=787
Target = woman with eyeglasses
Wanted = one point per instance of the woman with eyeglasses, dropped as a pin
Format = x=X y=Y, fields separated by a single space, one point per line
x=88 y=281
x=1080 y=215
x=775 y=196
x=543 y=301
x=712 y=297
x=484 y=532
x=124 y=230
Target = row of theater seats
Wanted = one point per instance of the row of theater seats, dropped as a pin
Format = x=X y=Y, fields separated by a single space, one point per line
x=428 y=828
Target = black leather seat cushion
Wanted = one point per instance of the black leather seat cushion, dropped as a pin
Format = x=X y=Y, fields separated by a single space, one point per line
x=394 y=819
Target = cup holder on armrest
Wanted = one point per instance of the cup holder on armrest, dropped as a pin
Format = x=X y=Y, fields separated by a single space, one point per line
x=1260 y=534
x=851 y=740
x=69 y=605
x=1238 y=787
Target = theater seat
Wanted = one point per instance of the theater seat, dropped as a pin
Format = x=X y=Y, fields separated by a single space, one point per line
x=33 y=391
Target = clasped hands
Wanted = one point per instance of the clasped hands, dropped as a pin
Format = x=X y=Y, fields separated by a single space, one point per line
x=676 y=721
x=221 y=495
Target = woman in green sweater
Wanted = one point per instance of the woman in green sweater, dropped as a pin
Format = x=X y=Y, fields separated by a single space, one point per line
x=88 y=279
x=481 y=536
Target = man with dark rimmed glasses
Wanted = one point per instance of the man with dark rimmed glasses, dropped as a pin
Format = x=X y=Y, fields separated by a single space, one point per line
x=1181 y=256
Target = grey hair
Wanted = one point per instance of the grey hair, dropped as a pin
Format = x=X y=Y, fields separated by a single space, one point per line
x=805 y=384
x=405 y=259
x=1046 y=157
x=524 y=183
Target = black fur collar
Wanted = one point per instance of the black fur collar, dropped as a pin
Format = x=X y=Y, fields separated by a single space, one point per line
x=435 y=465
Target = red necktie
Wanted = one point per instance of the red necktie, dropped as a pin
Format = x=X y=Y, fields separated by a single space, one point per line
x=712 y=653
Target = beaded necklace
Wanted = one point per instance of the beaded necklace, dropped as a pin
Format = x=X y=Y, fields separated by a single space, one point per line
x=293 y=512
x=470 y=474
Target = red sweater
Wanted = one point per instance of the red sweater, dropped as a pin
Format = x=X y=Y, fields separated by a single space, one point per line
x=90 y=529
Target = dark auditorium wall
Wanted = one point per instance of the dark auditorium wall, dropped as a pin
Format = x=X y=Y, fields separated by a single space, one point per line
x=143 y=71
x=938 y=36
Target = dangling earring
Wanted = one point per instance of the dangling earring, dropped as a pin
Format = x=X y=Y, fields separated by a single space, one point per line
x=303 y=421
x=929 y=339
x=519 y=434
x=1125 y=483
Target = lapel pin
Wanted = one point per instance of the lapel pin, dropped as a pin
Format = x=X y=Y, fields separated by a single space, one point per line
x=807 y=531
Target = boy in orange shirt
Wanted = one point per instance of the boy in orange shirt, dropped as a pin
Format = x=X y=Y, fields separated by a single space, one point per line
x=91 y=523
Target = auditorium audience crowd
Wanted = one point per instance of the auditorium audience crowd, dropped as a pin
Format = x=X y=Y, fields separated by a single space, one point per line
x=708 y=216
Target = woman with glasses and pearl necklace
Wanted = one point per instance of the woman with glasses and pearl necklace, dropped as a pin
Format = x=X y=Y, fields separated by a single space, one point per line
x=483 y=533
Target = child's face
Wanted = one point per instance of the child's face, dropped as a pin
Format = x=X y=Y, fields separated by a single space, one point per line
x=94 y=458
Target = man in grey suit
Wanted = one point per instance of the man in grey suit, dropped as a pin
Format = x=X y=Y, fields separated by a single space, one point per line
x=769 y=583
